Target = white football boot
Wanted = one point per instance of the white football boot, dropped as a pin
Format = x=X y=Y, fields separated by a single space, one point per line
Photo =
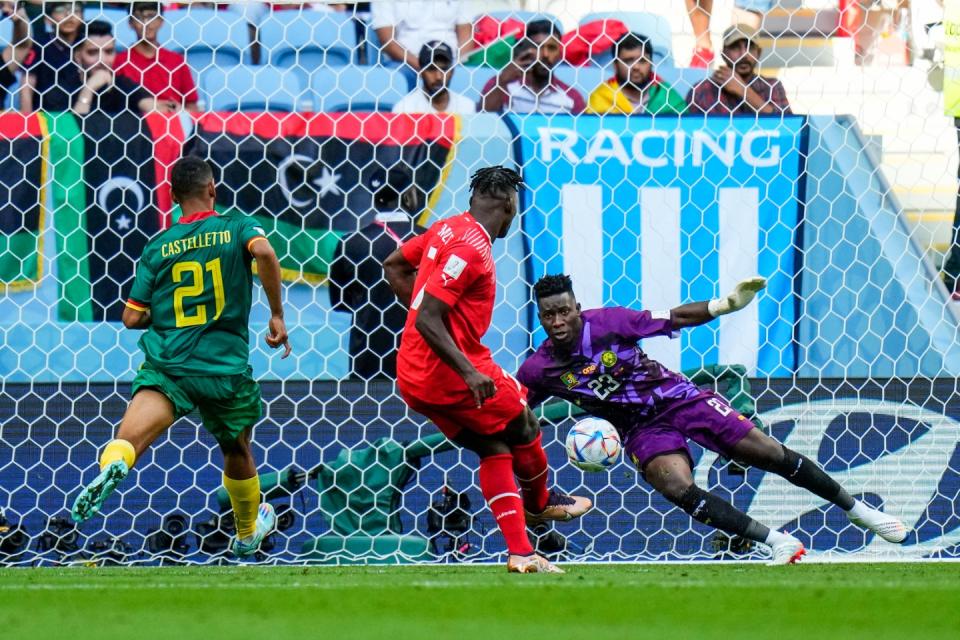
x=787 y=551
x=884 y=525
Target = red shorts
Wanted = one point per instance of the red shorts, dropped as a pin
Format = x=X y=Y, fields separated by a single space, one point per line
x=462 y=413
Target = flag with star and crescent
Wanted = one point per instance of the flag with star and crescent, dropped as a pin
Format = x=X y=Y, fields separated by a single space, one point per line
x=311 y=178
x=105 y=209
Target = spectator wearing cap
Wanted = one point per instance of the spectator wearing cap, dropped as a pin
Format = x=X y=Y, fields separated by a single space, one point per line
x=404 y=26
x=100 y=88
x=433 y=95
x=736 y=89
x=527 y=84
x=162 y=72
x=634 y=88
x=51 y=79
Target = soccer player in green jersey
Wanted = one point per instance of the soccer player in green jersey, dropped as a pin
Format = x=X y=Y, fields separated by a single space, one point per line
x=192 y=295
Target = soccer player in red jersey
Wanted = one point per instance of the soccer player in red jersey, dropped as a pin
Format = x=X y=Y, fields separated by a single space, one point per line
x=447 y=279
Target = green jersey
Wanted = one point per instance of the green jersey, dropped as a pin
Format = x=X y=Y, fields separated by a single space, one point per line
x=196 y=279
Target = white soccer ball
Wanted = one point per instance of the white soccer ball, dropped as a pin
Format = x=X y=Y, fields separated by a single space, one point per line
x=593 y=444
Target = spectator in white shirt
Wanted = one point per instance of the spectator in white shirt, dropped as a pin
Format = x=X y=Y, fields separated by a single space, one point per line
x=433 y=95
x=404 y=26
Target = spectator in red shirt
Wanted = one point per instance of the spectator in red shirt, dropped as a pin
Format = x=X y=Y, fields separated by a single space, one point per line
x=736 y=89
x=162 y=72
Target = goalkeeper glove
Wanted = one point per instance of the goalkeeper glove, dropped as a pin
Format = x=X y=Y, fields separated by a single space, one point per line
x=744 y=292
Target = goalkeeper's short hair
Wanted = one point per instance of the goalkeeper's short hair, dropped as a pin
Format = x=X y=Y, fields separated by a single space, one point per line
x=552 y=285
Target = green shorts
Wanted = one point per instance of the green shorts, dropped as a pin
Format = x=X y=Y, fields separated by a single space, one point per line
x=228 y=404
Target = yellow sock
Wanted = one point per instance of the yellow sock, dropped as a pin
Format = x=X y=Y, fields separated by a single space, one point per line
x=245 y=498
x=118 y=450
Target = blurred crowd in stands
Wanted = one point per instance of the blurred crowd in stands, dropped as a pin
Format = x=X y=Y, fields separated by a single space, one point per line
x=59 y=59
x=405 y=56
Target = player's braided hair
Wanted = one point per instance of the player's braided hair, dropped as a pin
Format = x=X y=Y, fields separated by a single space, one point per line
x=552 y=285
x=495 y=181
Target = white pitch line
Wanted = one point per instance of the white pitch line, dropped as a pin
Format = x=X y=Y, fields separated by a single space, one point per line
x=323 y=586
x=431 y=584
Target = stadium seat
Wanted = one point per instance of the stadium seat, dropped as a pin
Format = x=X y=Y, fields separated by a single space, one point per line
x=469 y=81
x=308 y=39
x=118 y=18
x=6 y=32
x=249 y=88
x=653 y=26
x=372 y=48
x=583 y=79
x=207 y=37
x=357 y=88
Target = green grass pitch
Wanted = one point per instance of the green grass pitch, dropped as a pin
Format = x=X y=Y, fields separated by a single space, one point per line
x=668 y=601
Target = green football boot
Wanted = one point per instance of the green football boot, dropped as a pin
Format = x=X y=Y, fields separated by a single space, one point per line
x=266 y=522
x=91 y=499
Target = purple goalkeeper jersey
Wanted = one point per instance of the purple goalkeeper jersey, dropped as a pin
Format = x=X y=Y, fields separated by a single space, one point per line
x=607 y=373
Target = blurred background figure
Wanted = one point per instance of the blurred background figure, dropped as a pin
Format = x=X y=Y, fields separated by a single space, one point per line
x=736 y=88
x=635 y=88
x=433 y=95
x=749 y=12
x=98 y=86
x=528 y=84
x=404 y=26
x=162 y=72
x=357 y=284
x=51 y=78
x=12 y=56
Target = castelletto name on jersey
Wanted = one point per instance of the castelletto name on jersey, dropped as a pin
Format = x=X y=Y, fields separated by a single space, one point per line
x=199 y=241
x=660 y=148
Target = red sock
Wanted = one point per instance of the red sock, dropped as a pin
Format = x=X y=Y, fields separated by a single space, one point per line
x=530 y=465
x=500 y=491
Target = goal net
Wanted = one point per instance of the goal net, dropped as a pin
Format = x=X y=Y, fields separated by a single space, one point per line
x=833 y=176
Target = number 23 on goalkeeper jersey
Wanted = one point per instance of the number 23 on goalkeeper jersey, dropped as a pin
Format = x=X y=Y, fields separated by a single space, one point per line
x=196 y=280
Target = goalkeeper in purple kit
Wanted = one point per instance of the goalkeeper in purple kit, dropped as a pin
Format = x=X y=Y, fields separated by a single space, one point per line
x=592 y=359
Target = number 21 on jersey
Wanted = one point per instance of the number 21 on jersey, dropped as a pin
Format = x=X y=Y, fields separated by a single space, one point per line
x=191 y=274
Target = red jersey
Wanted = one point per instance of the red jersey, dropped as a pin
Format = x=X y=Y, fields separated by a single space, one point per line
x=455 y=265
x=166 y=76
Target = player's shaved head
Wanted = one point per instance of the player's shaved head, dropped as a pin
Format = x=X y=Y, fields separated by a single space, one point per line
x=190 y=178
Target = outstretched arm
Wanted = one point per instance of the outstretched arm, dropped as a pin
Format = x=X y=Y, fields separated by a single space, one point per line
x=697 y=313
x=401 y=276
x=432 y=326
x=268 y=268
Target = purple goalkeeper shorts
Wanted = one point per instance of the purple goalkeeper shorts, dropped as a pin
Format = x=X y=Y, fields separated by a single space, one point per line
x=707 y=419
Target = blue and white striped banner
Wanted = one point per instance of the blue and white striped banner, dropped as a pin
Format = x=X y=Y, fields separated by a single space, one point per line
x=653 y=212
